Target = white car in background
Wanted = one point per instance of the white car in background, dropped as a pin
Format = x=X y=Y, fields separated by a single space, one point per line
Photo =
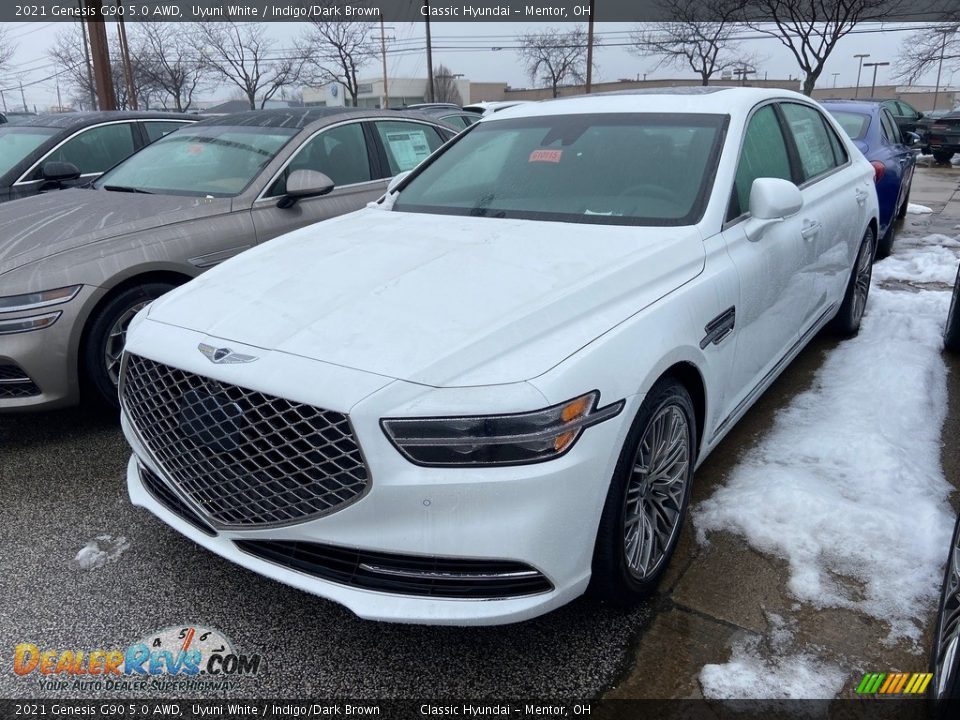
x=473 y=399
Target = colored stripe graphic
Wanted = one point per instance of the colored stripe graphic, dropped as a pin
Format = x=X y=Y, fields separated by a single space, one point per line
x=894 y=683
x=870 y=683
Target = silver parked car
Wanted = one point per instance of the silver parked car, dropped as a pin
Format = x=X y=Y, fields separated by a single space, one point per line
x=75 y=266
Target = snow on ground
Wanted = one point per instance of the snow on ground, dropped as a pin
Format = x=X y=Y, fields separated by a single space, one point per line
x=915 y=209
x=847 y=485
x=101 y=550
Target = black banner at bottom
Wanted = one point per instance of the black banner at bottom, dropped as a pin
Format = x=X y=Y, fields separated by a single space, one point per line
x=138 y=709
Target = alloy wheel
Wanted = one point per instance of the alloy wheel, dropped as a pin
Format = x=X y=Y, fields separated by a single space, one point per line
x=116 y=338
x=862 y=284
x=948 y=632
x=656 y=491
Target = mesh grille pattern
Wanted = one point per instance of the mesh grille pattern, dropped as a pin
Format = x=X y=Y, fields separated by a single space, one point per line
x=14 y=383
x=245 y=458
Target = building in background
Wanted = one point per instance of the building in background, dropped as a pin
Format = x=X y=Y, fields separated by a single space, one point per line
x=403 y=91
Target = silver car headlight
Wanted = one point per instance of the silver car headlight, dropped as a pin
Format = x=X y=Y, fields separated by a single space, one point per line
x=515 y=439
x=37 y=300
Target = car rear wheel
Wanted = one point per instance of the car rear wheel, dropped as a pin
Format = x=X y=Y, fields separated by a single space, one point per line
x=648 y=497
x=942 y=157
x=847 y=320
x=951 y=333
x=945 y=659
x=107 y=335
x=902 y=212
x=885 y=246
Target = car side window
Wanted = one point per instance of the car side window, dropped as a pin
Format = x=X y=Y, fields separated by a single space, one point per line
x=810 y=136
x=94 y=150
x=889 y=127
x=455 y=120
x=157 y=129
x=906 y=110
x=340 y=153
x=407 y=143
x=470 y=119
x=764 y=154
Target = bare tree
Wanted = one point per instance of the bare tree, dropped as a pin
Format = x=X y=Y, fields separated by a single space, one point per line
x=445 y=86
x=810 y=29
x=336 y=52
x=555 y=57
x=687 y=41
x=243 y=54
x=169 y=62
x=927 y=50
x=7 y=48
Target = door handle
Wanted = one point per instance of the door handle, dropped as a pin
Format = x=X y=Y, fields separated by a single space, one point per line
x=809 y=229
x=861 y=196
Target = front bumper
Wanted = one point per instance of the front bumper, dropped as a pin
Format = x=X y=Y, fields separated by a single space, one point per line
x=544 y=515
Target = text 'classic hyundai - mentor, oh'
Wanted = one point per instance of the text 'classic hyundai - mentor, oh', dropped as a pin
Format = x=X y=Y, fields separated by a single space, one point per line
x=488 y=391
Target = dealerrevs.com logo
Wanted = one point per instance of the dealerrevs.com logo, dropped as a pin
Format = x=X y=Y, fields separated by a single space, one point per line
x=178 y=658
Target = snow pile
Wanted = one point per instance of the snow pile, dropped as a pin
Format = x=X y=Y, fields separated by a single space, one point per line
x=101 y=550
x=934 y=262
x=847 y=486
x=915 y=209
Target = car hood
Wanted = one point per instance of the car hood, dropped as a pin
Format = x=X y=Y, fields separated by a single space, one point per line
x=51 y=223
x=437 y=300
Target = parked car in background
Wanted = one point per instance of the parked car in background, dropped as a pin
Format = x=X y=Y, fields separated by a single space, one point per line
x=890 y=151
x=75 y=266
x=943 y=137
x=461 y=119
x=907 y=117
x=945 y=660
x=59 y=150
x=486 y=108
x=15 y=117
x=923 y=128
x=468 y=401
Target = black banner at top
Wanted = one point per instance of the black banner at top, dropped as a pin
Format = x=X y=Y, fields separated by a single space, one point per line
x=526 y=11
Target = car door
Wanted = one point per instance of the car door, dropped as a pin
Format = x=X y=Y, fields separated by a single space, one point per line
x=345 y=153
x=773 y=289
x=900 y=163
x=833 y=207
x=905 y=116
x=93 y=150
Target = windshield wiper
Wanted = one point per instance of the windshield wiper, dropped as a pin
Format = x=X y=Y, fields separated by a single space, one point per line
x=126 y=189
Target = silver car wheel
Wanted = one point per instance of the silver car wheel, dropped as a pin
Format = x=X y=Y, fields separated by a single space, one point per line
x=948 y=633
x=862 y=284
x=655 y=491
x=116 y=338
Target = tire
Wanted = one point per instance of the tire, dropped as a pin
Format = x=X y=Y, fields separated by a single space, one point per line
x=945 y=655
x=885 y=246
x=847 y=320
x=951 y=333
x=942 y=157
x=112 y=318
x=902 y=213
x=622 y=541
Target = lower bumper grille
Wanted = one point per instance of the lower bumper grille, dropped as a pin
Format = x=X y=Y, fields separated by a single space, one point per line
x=166 y=497
x=403 y=574
x=15 y=383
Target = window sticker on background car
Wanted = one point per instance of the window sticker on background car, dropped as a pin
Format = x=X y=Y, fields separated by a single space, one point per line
x=408 y=147
x=552 y=156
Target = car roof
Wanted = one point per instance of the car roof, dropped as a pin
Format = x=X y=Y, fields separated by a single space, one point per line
x=685 y=99
x=301 y=118
x=73 y=120
x=863 y=107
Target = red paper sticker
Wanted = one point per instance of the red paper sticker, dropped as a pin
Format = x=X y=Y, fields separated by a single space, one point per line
x=552 y=156
x=195 y=149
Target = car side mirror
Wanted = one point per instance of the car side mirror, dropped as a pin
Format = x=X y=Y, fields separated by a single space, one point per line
x=397 y=179
x=912 y=139
x=304 y=184
x=58 y=171
x=772 y=200
x=919 y=115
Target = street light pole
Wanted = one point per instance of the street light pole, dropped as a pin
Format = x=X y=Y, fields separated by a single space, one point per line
x=859 y=70
x=873 y=85
x=834 y=78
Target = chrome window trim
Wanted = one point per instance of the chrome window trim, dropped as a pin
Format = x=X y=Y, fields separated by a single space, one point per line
x=21 y=181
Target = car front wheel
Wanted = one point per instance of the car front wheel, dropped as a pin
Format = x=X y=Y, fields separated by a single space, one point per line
x=648 y=497
x=108 y=332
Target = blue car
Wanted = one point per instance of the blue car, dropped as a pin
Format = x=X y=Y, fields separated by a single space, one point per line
x=873 y=129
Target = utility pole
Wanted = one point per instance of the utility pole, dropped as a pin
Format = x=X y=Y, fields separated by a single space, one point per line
x=86 y=59
x=23 y=98
x=856 y=94
x=99 y=49
x=59 y=100
x=943 y=46
x=127 y=65
x=3 y=98
x=383 y=53
x=590 y=49
x=430 y=91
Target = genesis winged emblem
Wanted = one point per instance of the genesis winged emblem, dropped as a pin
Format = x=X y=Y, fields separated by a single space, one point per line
x=224 y=356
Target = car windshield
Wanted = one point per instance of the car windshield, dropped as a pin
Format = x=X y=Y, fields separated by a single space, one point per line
x=611 y=168
x=215 y=160
x=18 y=142
x=853 y=123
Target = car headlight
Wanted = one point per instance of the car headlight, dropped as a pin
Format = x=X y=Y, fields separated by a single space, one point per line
x=33 y=301
x=514 y=439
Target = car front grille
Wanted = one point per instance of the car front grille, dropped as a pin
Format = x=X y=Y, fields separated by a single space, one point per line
x=166 y=497
x=15 y=383
x=403 y=574
x=246 y=459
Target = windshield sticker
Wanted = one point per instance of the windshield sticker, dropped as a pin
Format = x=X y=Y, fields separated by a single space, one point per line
x=551 y=156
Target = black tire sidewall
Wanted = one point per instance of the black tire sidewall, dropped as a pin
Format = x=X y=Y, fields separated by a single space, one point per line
x=953 y=690
x=95 y=375
x=611 y=579
x=844 y=323
x=951 y=332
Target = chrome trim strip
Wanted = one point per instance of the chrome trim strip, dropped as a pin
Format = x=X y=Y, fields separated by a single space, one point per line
x=437 y=575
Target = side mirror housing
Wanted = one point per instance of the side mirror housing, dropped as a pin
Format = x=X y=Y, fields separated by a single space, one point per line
x=304 y=184
x=912 y=139
x=57 y=171
x=771 y=201
x=397 y=179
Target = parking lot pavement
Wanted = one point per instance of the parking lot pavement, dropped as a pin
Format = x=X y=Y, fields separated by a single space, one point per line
x=62 y=487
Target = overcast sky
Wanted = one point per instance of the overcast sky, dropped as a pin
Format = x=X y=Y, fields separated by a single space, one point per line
x=473 y=56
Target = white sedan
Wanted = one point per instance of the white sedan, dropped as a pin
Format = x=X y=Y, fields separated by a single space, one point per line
x=488 y=392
